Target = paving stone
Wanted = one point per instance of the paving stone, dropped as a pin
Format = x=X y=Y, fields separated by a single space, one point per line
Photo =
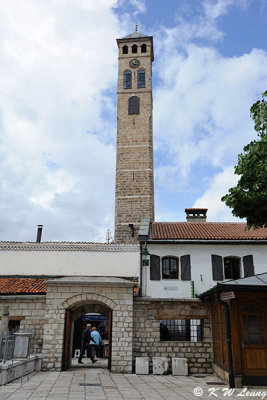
x=66 y=385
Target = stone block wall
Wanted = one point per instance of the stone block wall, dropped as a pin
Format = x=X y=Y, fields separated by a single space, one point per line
x=30 y=311
x=146 y=335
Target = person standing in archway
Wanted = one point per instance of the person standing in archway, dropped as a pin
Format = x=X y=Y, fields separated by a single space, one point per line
x=86 y=339
x=95 y=346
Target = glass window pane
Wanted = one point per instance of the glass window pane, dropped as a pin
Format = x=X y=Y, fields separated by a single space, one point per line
x=253 y=320
x=227 y=269
x=166 y=269
x=127 y=84
x=141 y=80
x=231 y=268
x=235 y=268
x=170 y=268
x=253 y=329
x=251 y=307
x=173 y=269
x=254 y=339
x=181 y=330
x=245 y=333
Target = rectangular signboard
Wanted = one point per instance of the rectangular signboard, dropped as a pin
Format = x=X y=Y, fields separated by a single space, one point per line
x=227 y=295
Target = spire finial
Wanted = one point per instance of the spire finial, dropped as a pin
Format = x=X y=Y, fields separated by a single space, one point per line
x=136 y=27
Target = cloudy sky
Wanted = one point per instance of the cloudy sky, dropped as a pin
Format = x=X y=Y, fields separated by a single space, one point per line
x=58 y=76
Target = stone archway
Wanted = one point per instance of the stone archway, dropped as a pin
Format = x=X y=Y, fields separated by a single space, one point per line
x=78 y=299
x=75 y=308
x=74 y=293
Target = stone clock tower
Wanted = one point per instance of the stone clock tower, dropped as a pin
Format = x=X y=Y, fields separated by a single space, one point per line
x=134 y=199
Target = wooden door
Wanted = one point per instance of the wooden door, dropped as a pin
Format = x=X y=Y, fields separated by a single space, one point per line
x=67 y=336
x=254 y=344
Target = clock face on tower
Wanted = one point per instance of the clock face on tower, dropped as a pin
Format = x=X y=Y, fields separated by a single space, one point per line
x=134 y=63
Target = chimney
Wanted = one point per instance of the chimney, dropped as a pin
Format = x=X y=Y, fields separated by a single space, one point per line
x=39 y=233
x=196 y=214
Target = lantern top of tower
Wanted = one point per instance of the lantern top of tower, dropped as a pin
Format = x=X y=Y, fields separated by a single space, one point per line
x=137 y=36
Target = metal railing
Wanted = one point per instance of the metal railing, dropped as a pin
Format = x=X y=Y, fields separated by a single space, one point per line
x=7 y=342
x=7 y=345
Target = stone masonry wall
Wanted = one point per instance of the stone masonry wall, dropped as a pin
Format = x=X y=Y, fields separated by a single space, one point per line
x=67 y=297
x=30 y=311
x=146 y=335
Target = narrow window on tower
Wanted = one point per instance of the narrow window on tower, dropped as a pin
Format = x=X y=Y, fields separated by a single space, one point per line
x=134 y=48
x=134 y=105
x=141 y=78
x=125 y=50
x=143 y=48
x=127 y=82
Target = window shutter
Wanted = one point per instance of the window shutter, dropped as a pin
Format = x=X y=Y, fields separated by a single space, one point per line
x=154 y=268
x=185 y=268
x=217 y=267
x=248 y=266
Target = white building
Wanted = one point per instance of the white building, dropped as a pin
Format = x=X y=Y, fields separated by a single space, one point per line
x=188 y=258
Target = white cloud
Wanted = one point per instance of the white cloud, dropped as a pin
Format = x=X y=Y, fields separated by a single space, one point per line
x=215 y=9
x=139 y=6
x=57 y=115
x=57 y=125
x=211 y=199
x=201 y=106
x=197 y=116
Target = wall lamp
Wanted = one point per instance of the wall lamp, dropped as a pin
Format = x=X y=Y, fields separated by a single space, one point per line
x=145 y=255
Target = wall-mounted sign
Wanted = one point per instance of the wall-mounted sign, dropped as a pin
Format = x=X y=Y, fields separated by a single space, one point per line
x=227 y=295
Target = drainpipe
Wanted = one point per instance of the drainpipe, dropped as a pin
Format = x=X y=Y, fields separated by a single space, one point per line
x=192 y=289
x=228 y=339
x=141 y=270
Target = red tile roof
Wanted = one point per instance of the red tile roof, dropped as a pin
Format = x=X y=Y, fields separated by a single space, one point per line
x=206 y=231
x=23 y=285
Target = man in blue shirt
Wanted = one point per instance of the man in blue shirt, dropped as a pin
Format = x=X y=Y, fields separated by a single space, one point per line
x=97 y=339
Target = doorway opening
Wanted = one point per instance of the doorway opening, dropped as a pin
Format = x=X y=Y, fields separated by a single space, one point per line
x=99 y=316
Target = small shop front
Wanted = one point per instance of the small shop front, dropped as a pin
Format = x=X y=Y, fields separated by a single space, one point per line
x=239 y=329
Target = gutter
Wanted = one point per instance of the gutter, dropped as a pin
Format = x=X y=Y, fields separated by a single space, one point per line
x=24 y=297
x=206 y=241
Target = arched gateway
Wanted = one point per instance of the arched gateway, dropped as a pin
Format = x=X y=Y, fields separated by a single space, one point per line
x=70 y=297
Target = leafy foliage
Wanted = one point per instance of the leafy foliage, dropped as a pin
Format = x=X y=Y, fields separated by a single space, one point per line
x=248 y=198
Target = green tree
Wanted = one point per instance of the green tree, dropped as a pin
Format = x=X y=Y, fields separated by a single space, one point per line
x=248 y=199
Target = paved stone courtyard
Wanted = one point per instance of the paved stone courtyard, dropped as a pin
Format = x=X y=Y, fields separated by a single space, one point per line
x=99 y=384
